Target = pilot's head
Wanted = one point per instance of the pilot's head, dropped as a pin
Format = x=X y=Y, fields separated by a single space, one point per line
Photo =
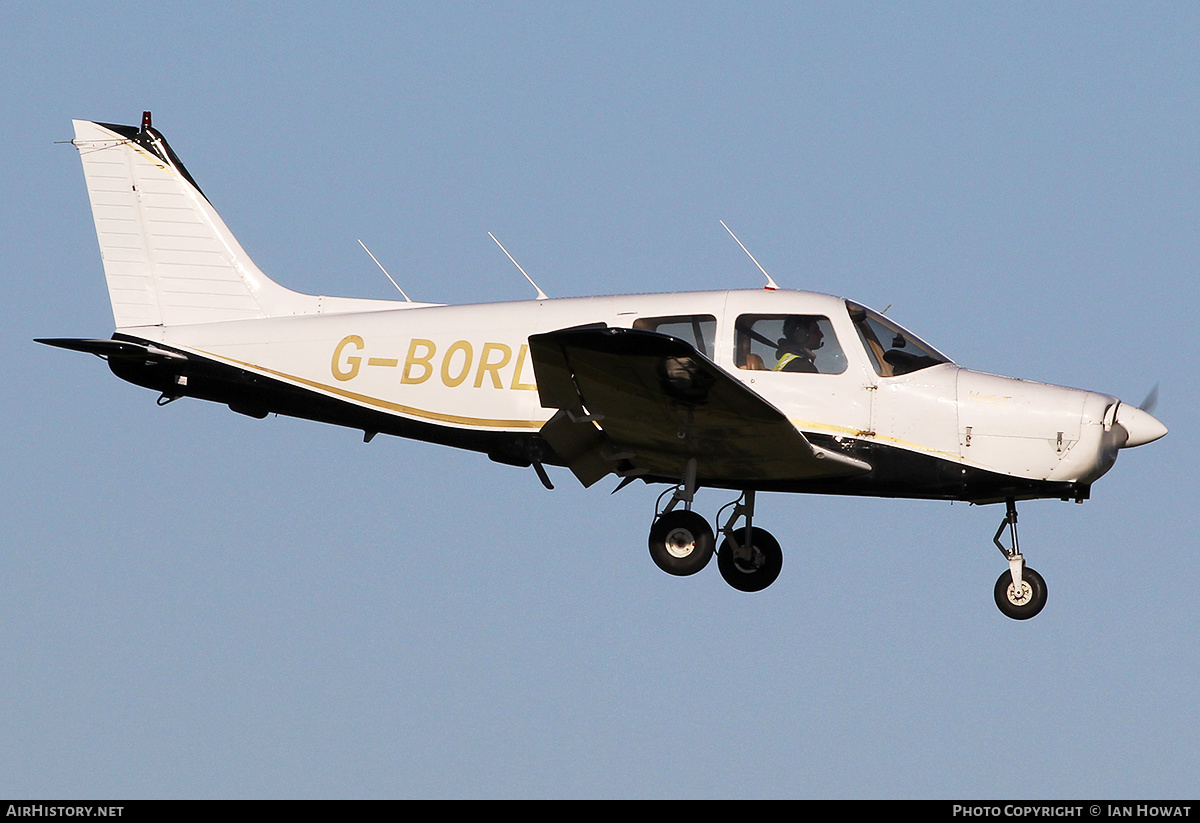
x=803 y=330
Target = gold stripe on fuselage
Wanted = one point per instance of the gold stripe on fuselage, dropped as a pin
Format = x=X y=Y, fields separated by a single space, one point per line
x=412 y=411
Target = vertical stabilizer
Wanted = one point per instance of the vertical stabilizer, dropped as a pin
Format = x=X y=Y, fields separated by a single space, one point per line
x=168 y=257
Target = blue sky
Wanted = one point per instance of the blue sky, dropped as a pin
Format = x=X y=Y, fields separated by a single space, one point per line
x=198 y=604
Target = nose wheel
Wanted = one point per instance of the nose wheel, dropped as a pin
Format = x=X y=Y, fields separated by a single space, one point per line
x=1024 y=601
x=1020 y=591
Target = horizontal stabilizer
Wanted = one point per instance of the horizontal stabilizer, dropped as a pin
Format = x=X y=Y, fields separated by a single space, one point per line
x=112 y=348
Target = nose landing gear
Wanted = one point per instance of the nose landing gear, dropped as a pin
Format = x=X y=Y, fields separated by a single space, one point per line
x=1020 y=592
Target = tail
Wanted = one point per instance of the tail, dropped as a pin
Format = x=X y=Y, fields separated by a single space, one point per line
x=168 y=257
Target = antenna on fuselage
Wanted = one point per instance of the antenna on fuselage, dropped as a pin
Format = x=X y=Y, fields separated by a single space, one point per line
x=385 y=272
x=541 y=294
x=771 y=284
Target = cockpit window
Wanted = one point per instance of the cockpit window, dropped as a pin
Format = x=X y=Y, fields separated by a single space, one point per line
x=698 y=329
x=788 y=343
x=891 y=349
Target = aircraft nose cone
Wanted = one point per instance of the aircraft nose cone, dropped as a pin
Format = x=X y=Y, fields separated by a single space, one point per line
x=1142 y=427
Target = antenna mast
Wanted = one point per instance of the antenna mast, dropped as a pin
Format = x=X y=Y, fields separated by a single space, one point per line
x=385 y=272
x=771 y=284
x=541 y=294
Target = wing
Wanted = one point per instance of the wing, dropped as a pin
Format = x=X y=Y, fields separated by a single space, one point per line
x=640 y=403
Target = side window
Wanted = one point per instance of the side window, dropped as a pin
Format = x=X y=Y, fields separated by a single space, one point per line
x=699 y=329
x=788 y=343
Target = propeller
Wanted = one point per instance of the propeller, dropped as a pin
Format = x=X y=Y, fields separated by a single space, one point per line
x=1151 y=401
x=1140 y=425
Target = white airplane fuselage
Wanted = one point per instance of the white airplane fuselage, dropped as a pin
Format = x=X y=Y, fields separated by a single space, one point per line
x=467 y=370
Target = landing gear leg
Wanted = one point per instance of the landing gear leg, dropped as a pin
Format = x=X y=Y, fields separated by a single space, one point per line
x=681 y=541
x=749 y=558
x=1020 y=591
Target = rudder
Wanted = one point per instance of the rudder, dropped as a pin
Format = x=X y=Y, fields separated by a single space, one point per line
x=168 y=257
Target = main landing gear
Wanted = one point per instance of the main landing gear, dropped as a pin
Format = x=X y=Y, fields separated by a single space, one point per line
x=681 y=541
x=1020 y=591
x=749 y=558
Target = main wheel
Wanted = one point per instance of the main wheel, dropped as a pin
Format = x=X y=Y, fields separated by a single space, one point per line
x=681 y=542
x=759 y=570
x=1023 y=603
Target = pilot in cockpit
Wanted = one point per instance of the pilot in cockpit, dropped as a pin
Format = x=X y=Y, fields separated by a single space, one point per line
x=796 y=351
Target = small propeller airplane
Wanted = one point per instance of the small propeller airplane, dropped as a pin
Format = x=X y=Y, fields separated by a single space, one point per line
x=766 y=390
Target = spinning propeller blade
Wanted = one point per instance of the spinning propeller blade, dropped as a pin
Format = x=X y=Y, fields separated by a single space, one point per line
x=1151 y=401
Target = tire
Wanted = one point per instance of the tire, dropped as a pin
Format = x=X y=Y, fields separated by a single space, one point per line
x=1028 y=602
x=681 y=543
x=757 y=573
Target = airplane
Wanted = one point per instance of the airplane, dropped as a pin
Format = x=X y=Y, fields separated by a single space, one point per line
x=763 y=390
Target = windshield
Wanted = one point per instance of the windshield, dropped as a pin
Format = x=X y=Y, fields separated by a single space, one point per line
x=892 y=350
